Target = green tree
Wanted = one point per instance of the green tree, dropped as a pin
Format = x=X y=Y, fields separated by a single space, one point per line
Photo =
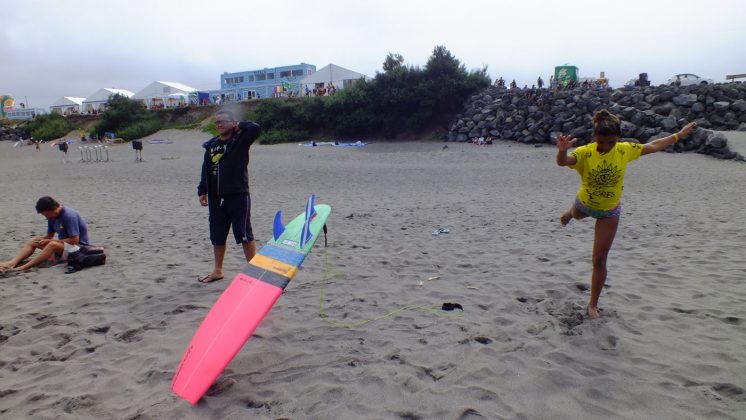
x=129 y=119
x=120 y=112
x=47 y=127
x=393 y=62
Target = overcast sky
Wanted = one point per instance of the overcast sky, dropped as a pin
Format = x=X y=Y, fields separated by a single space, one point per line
x=50 y=49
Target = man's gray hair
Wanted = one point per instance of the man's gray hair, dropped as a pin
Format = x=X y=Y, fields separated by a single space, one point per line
x=227 y=112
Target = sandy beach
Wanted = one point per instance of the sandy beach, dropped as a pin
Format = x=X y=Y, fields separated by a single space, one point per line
x=359 y=333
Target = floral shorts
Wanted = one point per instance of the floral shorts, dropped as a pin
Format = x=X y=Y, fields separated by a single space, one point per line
x=598 y=214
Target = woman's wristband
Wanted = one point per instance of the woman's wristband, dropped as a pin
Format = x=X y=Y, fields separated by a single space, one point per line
x=676 y=137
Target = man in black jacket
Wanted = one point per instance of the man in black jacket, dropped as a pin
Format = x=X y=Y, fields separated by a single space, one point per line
x=224 y=187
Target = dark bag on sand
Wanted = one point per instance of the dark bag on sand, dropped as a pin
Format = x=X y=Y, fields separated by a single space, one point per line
x=86 y=256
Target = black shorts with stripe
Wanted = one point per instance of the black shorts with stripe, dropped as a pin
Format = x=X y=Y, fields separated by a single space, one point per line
x=230 y=211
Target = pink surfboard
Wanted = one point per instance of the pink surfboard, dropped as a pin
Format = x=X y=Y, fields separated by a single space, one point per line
x=244 y=304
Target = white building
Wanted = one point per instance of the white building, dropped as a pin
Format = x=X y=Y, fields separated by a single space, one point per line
x=331 y=75
x=164 y=94
x=96 y=102
x=24 y=113
x=67 y=105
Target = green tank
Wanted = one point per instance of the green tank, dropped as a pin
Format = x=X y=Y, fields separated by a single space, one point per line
x=566 y=72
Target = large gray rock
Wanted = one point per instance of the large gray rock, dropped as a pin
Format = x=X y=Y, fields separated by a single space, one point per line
x=652 y=99
x=739 y=105
x=716 y=141
x=686 y=100
x=628 y=112
x=698 y=108
x=668 y=123
x=628 y=129
x=579 y=132
x=721 y=105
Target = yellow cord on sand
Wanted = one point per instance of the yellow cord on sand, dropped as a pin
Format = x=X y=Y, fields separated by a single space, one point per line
x=328 y=271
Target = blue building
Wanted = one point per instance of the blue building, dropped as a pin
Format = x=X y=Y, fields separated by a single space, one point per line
x=262 y=83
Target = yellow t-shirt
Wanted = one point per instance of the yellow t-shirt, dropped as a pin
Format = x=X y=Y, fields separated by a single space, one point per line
x=602 y=175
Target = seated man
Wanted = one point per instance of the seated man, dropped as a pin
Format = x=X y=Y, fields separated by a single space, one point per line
x=70 y=227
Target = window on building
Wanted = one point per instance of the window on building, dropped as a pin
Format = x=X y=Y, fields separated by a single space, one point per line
x=285 y=73
x=228 y=80
x=261 y=76
x=270 y=76
x=310 y=72
x=240 y=79
x=298 y=72
x=251 y=78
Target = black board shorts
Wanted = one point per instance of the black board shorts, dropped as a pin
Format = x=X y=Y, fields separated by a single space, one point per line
x=230 y=211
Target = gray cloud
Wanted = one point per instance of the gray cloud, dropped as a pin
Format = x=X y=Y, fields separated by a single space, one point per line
x=75 y=47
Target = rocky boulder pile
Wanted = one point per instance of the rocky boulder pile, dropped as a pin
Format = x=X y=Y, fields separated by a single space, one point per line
x=539 y=116
x=9 y=133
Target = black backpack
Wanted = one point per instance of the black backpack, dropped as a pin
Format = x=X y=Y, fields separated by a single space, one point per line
x=86 y=256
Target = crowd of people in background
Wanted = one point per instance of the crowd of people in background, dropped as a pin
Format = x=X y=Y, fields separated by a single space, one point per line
x=558 y=84
x=321 y=90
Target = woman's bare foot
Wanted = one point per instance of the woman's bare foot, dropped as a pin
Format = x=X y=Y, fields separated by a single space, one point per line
x=593 y=312
x=565 y=218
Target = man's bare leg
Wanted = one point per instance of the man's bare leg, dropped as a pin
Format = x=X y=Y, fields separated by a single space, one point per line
x=49 y=250
x=219 y=253
x=249 y=250
x=26 y=251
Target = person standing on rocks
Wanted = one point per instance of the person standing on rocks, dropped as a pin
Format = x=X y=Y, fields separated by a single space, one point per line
x=540 y=83
x=601 y=166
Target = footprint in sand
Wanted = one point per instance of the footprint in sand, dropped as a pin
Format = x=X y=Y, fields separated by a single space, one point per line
x=130 y=336
x=220 y=386
x=732 y=320
x=731 y=391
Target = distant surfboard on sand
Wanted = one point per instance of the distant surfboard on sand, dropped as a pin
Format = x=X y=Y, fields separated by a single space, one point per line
x=248 y=299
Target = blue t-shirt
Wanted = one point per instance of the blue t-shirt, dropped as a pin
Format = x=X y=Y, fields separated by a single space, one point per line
x=69 y=224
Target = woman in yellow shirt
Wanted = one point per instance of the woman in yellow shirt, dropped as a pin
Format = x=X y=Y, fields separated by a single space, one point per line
x=601 y=165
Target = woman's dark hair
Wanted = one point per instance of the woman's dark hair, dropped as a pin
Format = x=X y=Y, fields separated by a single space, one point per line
x=605 y=123
x=46 y=203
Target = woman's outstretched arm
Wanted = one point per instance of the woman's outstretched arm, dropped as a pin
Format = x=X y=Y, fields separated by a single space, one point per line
x=660 y=144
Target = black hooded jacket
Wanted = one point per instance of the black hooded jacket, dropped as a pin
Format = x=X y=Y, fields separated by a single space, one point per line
x=230 y=174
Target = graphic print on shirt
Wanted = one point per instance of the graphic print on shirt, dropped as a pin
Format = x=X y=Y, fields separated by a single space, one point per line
x=603 y=178
x=216 y=152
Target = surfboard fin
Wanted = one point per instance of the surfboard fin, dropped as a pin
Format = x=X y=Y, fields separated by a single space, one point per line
x=306 y=234
x=278 y=228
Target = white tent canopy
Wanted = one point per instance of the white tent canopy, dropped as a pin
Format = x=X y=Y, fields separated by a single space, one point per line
x=340 y=77
x=67 y=105
x=66 y=101
x=97 y=99
x=158 y=92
